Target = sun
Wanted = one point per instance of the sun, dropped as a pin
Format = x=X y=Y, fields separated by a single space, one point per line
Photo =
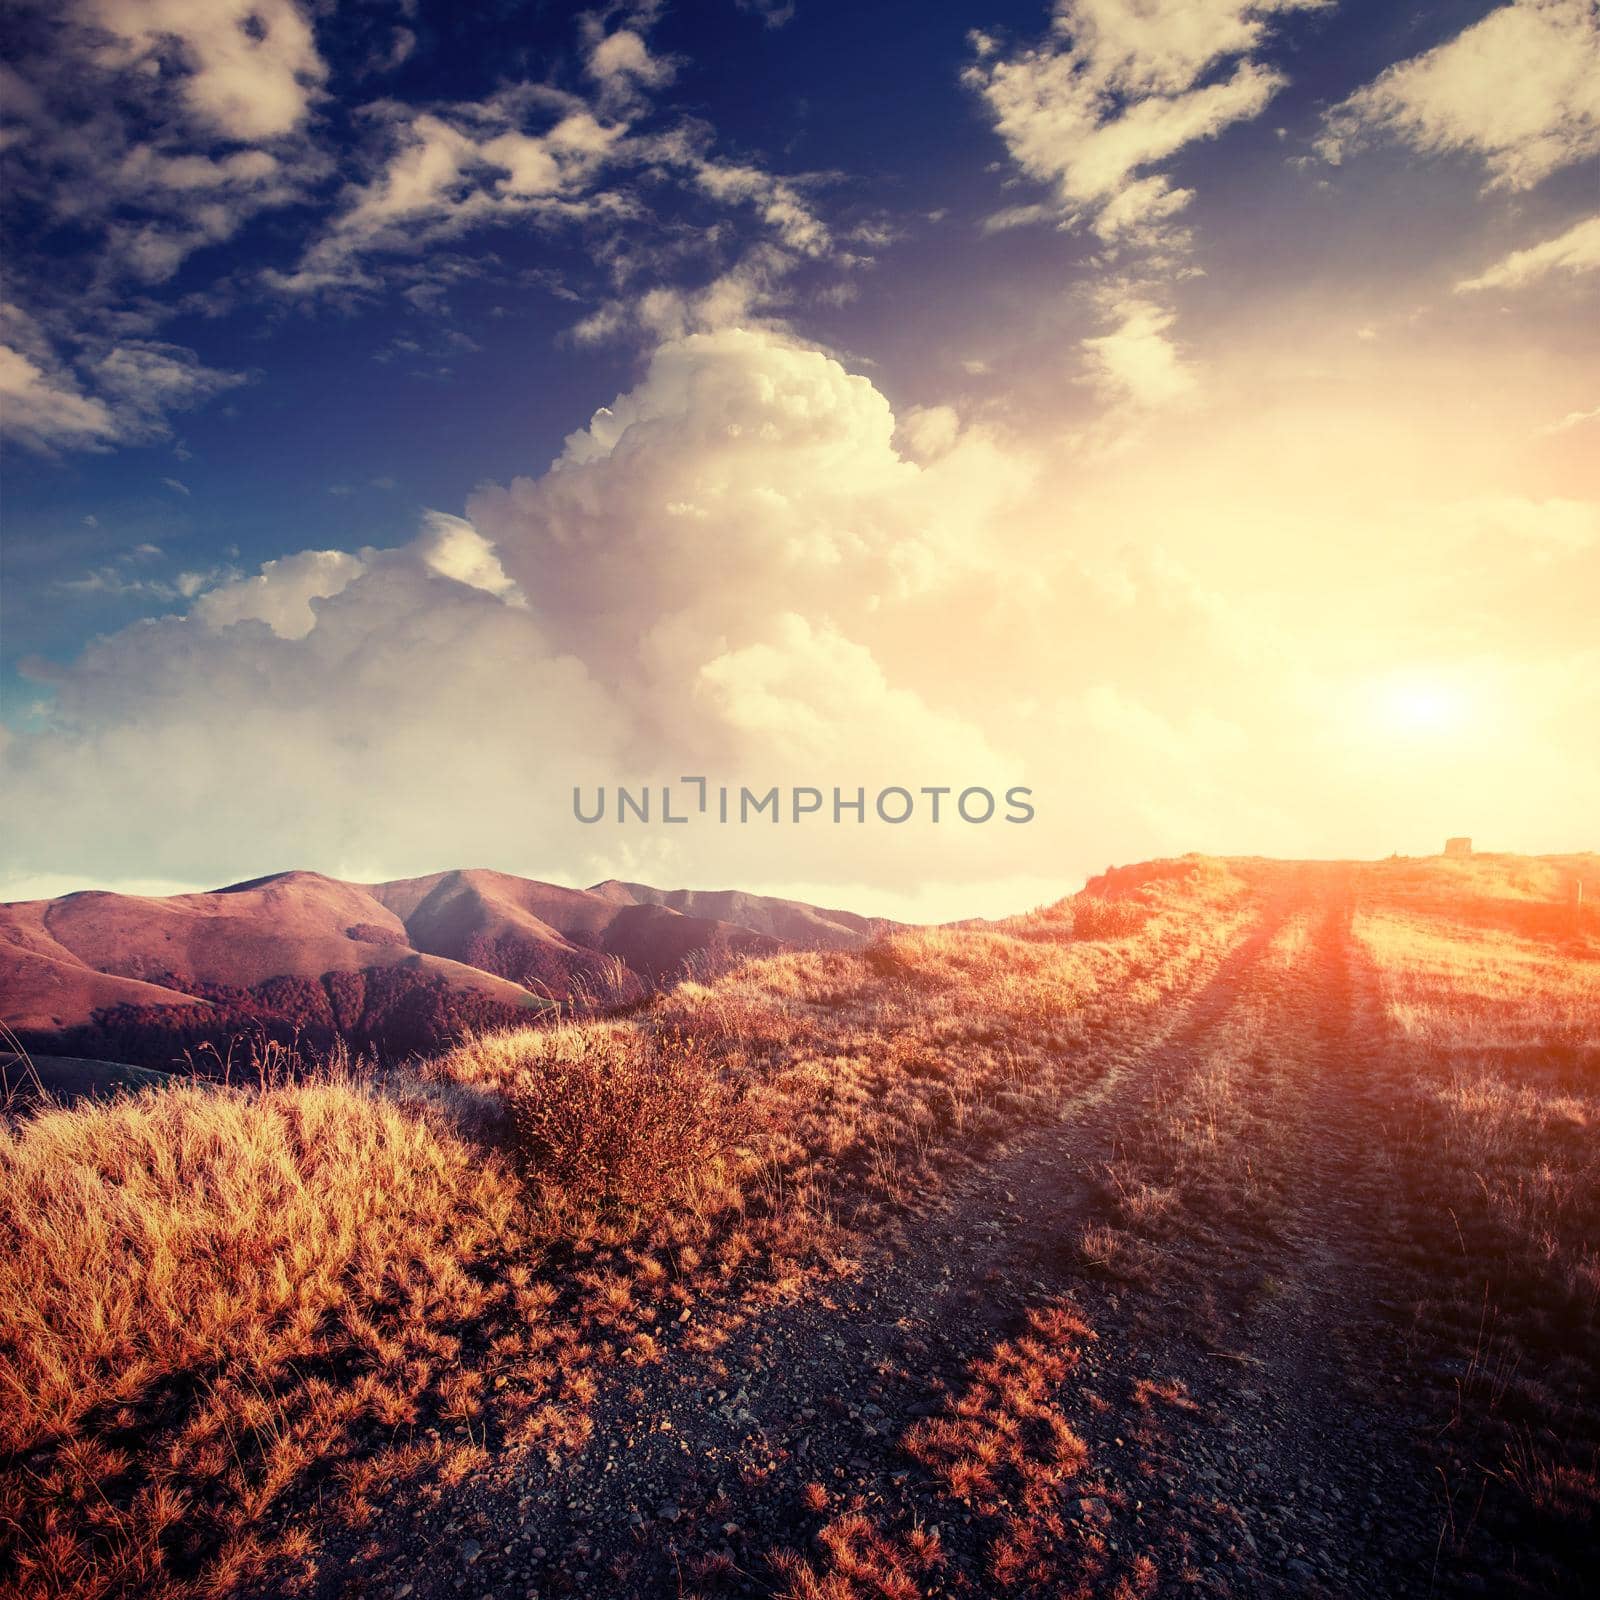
x=1418 y=704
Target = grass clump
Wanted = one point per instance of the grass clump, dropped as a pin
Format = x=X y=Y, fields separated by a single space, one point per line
x=208 y=1295
x=624 y=1116
x=1096 y=917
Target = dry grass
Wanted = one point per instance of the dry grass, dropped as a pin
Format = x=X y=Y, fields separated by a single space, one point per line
x=1487 y=994
x=1004 y=1456
x=1463 y=1045
x=235 y=1317
x=858 y=1561
x=622 y=1116
x=1005 y=1441
x=231 y=1317
x=203 y=1293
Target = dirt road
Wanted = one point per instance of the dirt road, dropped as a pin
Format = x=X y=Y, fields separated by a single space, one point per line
x=1214 y=1211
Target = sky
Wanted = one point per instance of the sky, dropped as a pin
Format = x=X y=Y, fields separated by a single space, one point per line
x=1188 y=410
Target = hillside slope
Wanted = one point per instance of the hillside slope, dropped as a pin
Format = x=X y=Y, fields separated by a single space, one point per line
x=553 y=934
x=792 y=921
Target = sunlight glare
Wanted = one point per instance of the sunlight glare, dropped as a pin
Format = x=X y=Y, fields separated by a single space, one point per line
x=1416 y=704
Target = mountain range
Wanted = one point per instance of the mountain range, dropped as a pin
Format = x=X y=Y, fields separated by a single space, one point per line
x=390 y=965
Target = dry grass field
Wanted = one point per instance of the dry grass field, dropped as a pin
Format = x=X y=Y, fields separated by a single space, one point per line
x=1229 y=1228
x=1487 y=1000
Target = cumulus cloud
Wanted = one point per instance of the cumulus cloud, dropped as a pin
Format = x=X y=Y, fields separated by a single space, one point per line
x=744 y=478
x=1116 y=89
x=1577 y=250
x=713 y=576
x=285 y=593
x=1520 y=90
x=281 y=594
x=747 y=566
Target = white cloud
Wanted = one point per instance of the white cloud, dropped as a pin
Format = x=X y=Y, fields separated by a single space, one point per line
x=746 y=565
x=621 y=62
x=926 y=432
x=779 y=202
x=1136 y=362
x=1520 y=90
x=47 y=410
x=1576 y=250
x=147 y=379
x=121 y=395
x=190 y=200
x=532 y=154
x=1117 y=88
x=448 y=170
x=742 y=450
x=248 y=69
x=281 y=594
x=161 y=127
x=454 y=549
x=715 y=575
x=1573 y=419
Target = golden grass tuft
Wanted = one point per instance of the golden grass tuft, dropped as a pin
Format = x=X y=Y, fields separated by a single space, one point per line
x=207 y=1293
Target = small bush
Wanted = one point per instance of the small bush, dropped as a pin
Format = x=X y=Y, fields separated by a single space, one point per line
x=1094 y=917
x=624 y=1116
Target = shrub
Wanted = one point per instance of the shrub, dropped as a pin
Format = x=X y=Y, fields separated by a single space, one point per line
x=620 y=1115
x=387 y=1012
x=1094 y=917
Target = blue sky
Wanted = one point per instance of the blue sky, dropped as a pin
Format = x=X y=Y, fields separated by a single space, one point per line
x=286 y=278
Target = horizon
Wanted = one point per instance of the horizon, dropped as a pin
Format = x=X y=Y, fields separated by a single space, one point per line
x=997 y=900
x=412 y=416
